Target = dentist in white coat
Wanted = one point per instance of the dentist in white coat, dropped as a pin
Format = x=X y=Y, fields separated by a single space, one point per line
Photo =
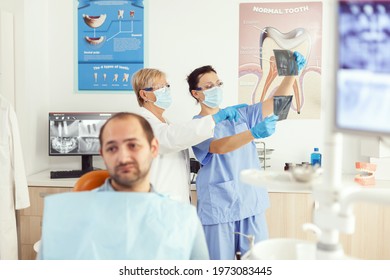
x=170 y=172
x=13 y=182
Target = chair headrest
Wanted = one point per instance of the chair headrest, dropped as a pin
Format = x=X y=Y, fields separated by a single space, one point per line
x=91 y=180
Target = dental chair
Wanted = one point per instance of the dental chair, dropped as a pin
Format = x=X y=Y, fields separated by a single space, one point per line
x=89 y=181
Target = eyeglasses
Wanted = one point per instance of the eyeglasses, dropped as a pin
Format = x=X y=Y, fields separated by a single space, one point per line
x=156 y=87
x=210 y=86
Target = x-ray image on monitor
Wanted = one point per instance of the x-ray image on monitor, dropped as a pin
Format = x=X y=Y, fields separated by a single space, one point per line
x=63 y=145
x=64 y=128
x=90 y=128
x=63 y=136
x=76 y=134
x=363 y=102
x=364 y=35
x=89 y=145
x=73 y=133
x=89 y=136
x=363 y=75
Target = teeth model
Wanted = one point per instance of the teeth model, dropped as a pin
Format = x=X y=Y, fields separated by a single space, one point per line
x=366 y=177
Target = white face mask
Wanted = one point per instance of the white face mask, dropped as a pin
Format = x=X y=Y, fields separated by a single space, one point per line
x=213 y=97
x=163 y=98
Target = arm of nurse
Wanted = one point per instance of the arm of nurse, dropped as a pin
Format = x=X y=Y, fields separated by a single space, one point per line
x=177 y=137
x=283 y=90
x=230 y=143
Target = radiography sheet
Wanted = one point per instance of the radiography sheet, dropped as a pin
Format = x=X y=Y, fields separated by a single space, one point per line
x=282 y=106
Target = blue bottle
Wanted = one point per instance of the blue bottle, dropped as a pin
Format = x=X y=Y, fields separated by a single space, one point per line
x=316 y=158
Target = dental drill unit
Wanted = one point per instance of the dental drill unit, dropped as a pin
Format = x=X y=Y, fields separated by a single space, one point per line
x=333 y=213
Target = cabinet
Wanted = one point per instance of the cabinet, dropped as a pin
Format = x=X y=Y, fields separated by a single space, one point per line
x=30 y=220
x=289 y=211
x=371 y=231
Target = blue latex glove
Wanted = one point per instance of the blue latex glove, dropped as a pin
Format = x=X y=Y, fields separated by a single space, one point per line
x=265 y=128
x=301 y=61
x=229 y=113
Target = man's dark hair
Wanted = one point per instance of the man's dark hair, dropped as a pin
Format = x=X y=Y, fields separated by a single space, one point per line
x=124 y=115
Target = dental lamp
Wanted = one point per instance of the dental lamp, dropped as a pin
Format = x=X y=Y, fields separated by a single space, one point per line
x=333 y=213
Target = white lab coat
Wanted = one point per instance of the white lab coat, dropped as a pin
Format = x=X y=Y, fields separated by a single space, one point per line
x=170 y=172
x=13 y=182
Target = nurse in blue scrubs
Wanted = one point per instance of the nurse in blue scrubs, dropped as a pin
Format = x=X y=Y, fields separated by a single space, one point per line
x=225 y=204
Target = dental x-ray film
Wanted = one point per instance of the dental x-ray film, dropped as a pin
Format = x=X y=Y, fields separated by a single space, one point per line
x=285 y=63
x=282 y=106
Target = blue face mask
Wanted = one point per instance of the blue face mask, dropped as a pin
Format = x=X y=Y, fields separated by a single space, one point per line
x=213 y=97
x=163 y=98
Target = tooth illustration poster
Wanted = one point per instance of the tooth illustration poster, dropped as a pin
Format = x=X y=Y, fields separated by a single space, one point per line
x=110 y=44
x=266 y=27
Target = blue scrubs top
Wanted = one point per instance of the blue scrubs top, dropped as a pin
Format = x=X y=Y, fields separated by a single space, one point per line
x=222 y=197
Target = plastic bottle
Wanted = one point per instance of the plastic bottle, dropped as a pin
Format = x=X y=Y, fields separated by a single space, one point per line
x=316 y=158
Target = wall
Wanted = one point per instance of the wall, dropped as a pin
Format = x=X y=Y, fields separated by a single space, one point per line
x=180 y=36
x=7 y=61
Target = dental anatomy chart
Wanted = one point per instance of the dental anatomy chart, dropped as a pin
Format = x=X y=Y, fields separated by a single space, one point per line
x=110 y=43
x=267 y=29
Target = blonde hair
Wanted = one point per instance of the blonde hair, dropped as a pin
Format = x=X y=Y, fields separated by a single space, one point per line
x=144 y=78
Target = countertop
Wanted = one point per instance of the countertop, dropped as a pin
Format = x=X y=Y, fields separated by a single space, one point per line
x=42 y=179
x=284 y=181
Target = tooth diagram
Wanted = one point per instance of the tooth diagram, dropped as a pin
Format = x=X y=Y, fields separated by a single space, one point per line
x=120 y=14
x=289 y=40
x=125 y=77
x=271 y=38
x=94 y=40
x=94 y=21
x=115 y=79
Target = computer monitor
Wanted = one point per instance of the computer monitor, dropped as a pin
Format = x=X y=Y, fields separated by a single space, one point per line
x=76 y=134
x=363 y=74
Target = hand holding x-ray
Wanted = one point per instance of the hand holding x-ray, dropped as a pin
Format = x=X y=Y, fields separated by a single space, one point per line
x=289 y=63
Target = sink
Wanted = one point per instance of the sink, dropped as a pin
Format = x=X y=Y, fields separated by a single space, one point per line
x=282 y=249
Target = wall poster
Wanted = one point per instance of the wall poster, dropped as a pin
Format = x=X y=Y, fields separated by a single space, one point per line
x=266 y=27
x=110 y=41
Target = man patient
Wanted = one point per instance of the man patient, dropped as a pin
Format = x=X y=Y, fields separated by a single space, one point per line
x=124 y=218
